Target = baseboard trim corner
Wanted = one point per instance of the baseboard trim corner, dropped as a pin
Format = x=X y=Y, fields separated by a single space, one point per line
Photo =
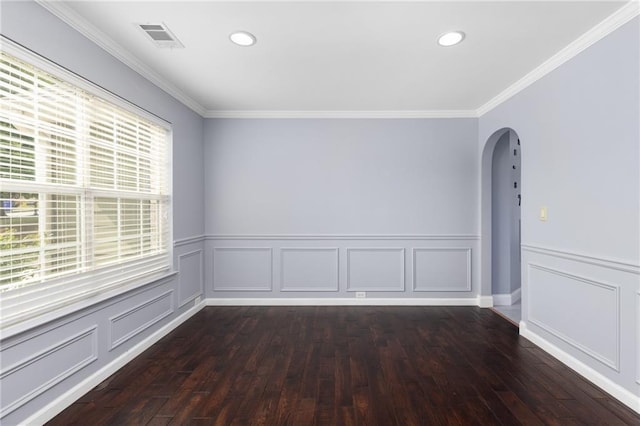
x=507 y=299
x=623 y=395
x=485 y=301
x=55 y=407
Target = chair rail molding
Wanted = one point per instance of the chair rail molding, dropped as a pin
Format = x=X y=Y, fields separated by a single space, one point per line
x=435 y=237
x=619 y=265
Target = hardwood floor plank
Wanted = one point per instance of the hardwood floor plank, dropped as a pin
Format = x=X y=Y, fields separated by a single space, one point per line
x=355 y=365
x=159 y=421
x=519 y=409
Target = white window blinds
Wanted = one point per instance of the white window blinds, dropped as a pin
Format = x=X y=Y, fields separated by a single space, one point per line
x=84 y=192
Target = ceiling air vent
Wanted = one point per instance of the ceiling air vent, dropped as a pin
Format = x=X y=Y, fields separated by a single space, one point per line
x=160 y=35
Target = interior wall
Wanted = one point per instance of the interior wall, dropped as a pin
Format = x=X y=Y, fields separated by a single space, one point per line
x=56 y=358
x=580 y=134
x=383 y=206
x=341 y=176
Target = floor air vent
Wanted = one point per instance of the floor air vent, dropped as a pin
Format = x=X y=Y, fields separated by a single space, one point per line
x=160 y=35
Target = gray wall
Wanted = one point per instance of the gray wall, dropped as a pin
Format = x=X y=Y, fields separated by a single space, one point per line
x=323 y=208
x=580 y=157
x=46 y=361
x=337 y=176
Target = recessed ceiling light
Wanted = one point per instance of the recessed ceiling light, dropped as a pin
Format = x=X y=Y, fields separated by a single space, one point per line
x=451 y=38
x=243 y=38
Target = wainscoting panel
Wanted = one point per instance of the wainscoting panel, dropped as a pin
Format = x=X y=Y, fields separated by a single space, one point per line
x=375 y=269
x=191 y=278
x=442 y=269
x=134 y=321
x=309 y=269
x=582 y=312
x=41 y=371
x=242 y=269
x=584 y=309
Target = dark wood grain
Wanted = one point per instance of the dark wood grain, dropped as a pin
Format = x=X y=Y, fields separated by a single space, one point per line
x=345 y=366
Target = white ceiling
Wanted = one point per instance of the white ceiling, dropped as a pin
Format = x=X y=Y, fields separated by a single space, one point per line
x=347 y=56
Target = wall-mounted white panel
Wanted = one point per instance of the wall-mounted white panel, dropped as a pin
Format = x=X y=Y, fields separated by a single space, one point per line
x=191 y=278
x=242 y=269
x=39 y=372
x=309 y=269
x=375 y=269
x=442 y=269
x=582 y=312
x=134 y=321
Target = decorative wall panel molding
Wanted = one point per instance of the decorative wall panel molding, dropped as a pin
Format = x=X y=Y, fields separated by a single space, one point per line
x=627 y=397
x=134 y=321
x=237 y=265
x=242 y=269
x=442 y=269
x=110 y=366
x=309 y=269
x=40 y=372
x=191 y=278
x=375 y=269
x=586 y=310
x=591 y=260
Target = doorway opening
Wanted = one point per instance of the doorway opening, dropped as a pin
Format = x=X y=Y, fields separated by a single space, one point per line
x=501 y=202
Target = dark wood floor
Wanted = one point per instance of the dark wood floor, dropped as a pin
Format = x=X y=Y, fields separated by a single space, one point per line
x=344 y=366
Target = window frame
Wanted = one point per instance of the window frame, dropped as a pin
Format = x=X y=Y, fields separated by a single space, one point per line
x=40 y=302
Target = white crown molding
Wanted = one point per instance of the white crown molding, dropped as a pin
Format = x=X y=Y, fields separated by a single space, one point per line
x=69 y=16
x=595 y=34
x=604 y=28
x=343 y=114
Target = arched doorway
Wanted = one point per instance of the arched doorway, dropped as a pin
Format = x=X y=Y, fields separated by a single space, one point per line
x=501 y=199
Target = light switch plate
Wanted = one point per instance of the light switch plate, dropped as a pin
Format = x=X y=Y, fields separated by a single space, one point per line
x=543 y=214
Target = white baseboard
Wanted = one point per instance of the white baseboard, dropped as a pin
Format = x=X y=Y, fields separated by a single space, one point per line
x=372 y=301
x=486 y=301
x=63 y=401
x=623 y=395
x=507 y=299
x=516 y=295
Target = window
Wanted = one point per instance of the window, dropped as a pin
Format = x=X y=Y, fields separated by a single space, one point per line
x=84 y=192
